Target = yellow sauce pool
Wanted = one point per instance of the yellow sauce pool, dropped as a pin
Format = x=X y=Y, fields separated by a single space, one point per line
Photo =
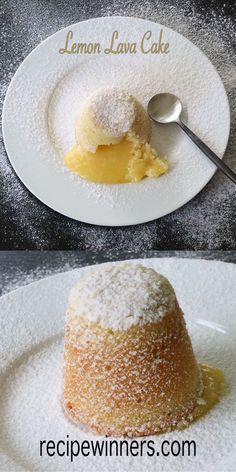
x=127 y=161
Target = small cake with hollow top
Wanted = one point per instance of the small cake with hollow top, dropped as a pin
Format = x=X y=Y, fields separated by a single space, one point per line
x=129 y=366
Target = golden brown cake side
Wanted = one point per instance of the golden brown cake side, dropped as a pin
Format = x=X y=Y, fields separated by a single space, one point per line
x=133 y=382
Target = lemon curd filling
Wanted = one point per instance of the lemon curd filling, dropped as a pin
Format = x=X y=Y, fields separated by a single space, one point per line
x=112 y=141
x=214 y=388
x=127 y=161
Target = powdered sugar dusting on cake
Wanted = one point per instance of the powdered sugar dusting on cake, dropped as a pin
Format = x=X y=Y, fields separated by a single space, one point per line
x=211 y=211
x=113 y=110
x=122 y=296
x=33 y=382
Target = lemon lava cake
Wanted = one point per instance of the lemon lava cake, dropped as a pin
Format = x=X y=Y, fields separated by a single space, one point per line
x=112 y=140
x=106 y=117
x=129 y=367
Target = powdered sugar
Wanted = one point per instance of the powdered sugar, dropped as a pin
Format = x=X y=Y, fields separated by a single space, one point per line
x=206 y=222
x=31 y=385
x=120 y=296
x=107 y=116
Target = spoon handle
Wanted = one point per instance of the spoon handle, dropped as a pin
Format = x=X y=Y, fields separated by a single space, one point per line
x=209 y=153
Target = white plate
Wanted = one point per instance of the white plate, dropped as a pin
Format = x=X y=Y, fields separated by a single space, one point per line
x=31 y=334
x=46 y=94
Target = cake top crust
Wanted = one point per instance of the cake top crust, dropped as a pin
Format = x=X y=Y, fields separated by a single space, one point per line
x=120 y=296
x=113 y=110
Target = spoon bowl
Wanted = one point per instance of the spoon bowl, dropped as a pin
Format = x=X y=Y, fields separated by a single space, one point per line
x=165 y=108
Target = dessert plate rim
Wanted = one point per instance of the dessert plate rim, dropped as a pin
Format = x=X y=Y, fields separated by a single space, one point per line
x=94 y=211
x=22 y=299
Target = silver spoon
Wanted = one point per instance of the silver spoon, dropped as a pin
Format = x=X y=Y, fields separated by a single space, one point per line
x=166 y=108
